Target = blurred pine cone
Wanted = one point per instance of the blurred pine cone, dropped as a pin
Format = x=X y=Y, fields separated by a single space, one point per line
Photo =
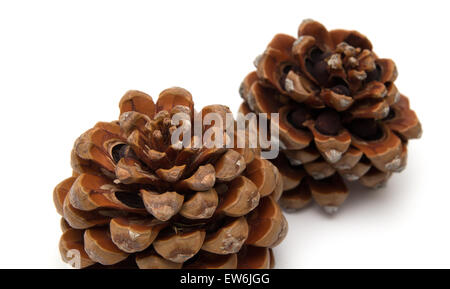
x=341 y=114
x=136 y=199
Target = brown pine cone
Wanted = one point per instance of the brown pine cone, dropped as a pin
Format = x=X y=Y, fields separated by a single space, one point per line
x=136 y=199
x=341 y=114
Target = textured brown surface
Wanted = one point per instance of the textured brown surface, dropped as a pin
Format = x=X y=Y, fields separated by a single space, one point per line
x=135 y=199
x=341 y=115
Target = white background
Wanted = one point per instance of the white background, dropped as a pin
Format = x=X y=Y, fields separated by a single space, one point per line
x=64 y=65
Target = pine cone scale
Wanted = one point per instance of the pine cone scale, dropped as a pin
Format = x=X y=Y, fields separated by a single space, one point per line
x=100 y=248
x=134 y=235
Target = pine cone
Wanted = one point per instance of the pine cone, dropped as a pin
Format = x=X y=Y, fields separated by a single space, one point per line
x=341 y=114
x=136 y=199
